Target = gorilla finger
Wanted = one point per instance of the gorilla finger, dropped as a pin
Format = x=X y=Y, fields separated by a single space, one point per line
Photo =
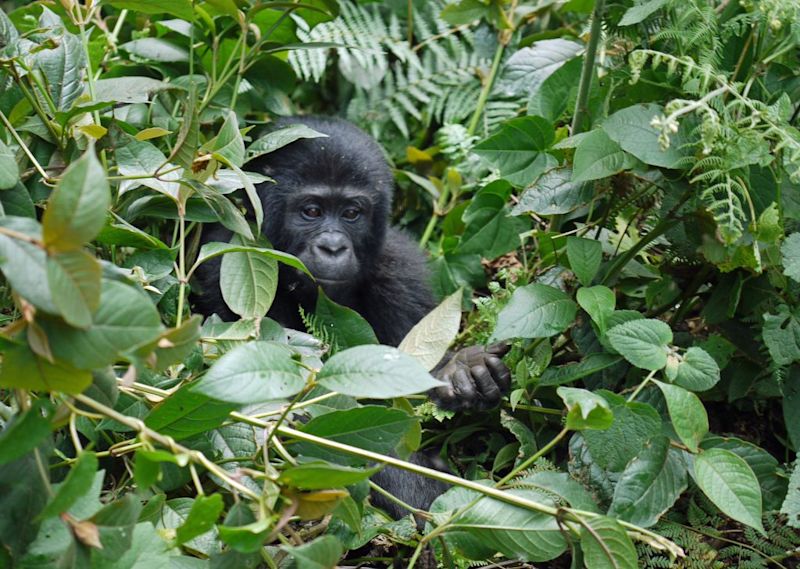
x=486 y=385
x=463 y=386
x=445 y=396
x=500 y=373
x=499 y=349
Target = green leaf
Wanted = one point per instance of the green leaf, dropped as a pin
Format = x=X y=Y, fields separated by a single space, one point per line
x=372 y=427
x=77 y=208
x=551 y=98
x=74 y=278
x=378 y=372
x=17 y=202
x=25 y=370
x=215 y=248
x=77 y=483
x=535 y=311
x=202 y=517
x=697 y=371
x=790 y=256
x=319 y=475
x=650 y=484
x=554 y=193
x=585 y=410
x=248 y=281
x=585 y=256
x=597 y=157
x=24 y=263
x=253 y=373
x=9 y=171
x=147 y=166
x=606 y=545
x=156 y=49
x=689 y=417
x=279 y=138
x=791 y=505
x=599 y=302
x=592 y=363
x=429 y=339
x=321 y=553
x=631 y=129
x=729 y=482
x=517 y=149
x=129 y=89
x=346 y=327
x=782 y=335
x=24 y=433
x=644 y=342
x=179 y=8
x=186 y=413
x=640 y=12
x=529 y=67
x=63 y=68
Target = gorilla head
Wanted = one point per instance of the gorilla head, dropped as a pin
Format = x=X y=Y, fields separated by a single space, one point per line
x=326 y=207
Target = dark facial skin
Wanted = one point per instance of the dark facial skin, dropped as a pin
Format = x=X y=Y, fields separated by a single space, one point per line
x=328 y=225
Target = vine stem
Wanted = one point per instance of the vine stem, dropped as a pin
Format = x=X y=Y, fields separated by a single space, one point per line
x=641 y=386
x=588 y=68
x=181 y=265
x=25 y=148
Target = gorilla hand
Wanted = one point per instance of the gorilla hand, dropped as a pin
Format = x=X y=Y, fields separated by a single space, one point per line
x=476 y=379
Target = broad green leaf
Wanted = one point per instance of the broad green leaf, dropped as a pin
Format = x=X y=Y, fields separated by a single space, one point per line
x=9 y=171
x=790 y=253
x=379 y=372
x=644 y=342
x=179 y=8
x=551 y=98
x=697 y=371
x=63 y=68
x=77 y=483
x=585 y=256
x=279 y=138
x=216 y=248
x=125 y=320
x=25 y=370
x=346 y=327
x=782 y=335
x=202 y=517
x=489 y=231
x=562 y=485
x=529 y=67
x=175 y=344
x=631 y=129
x=253 y=373
x=24 y=263
x=372 y=427
x=517 y=149
x=689 y=417
x=585 y=410
x=128 y=89
x=429 y=339
x=599 y=302
x=17 y=202
x=187 y=412
x=597 y=157
x=634 y=425
x=650 y=484
x=149 y=167
x=791 y=505
x=74 y=281
x=491 y=526
x=640 y=12
x=77 y=208
x=318 y=475
x=24 y=433
x=321 y=553
x=156 y=49
x=592 y=363
x=606 y=545
x=729 y=482
x=535 y=311
x=553 y=193
x=248 y=281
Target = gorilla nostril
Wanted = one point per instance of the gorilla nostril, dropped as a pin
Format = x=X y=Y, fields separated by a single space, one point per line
x=332 y=250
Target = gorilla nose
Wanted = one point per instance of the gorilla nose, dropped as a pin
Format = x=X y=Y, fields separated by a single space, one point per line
x=332 y=245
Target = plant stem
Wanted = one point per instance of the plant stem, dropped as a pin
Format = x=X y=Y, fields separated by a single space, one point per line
x=437 y=210
x=641 y=386
x=25 y=148
x=487 y=88
x=581 y=110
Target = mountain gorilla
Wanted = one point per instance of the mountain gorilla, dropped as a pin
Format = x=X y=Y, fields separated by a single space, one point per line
x=329 y=205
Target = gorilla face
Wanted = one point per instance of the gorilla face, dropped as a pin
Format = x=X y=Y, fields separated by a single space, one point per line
x=328 y=228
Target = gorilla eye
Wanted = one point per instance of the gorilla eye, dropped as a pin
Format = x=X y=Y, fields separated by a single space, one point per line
x=311 y=212
x=351 y=214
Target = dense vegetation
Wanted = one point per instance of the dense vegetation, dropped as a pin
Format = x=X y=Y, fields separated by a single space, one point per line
x=613 y=186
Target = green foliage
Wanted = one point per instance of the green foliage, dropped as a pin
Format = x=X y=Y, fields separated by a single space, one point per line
x=628 y=224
